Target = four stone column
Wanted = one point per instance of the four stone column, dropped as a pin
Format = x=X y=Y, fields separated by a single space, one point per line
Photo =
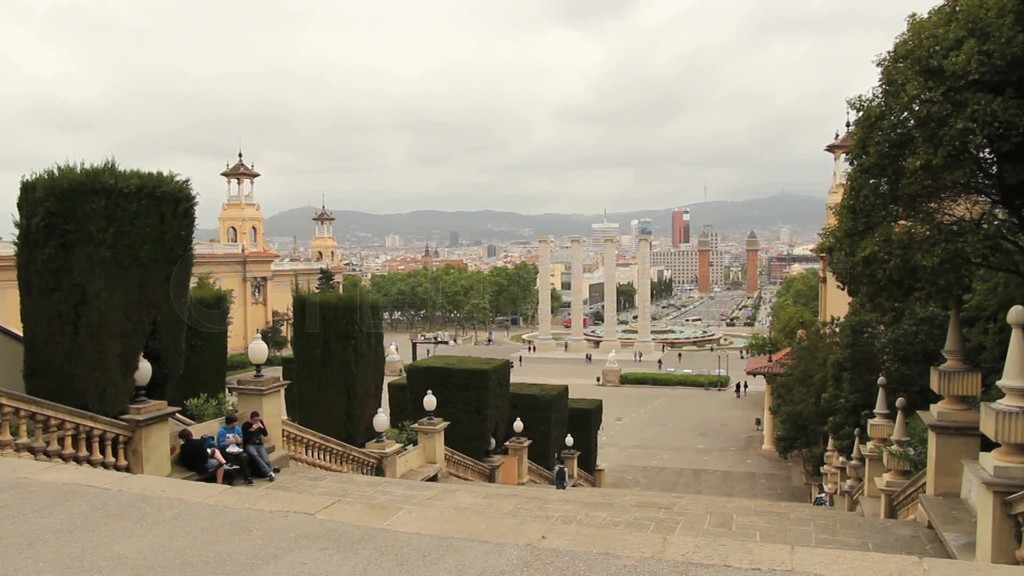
x=643 y=289
x=544 y=341
x=611 y=304
x=576 y=341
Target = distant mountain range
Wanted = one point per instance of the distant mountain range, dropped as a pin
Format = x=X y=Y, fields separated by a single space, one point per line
x=804 y=214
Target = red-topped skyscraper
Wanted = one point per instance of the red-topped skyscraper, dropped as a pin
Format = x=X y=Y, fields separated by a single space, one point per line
x=680 y=227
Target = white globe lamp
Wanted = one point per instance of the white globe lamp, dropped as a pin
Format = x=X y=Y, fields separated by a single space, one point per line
x=143 y=373
x=258 y=353
x=430 y=404
x=381 y=422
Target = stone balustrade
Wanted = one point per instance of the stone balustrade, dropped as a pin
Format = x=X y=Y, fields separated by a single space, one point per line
x=465 y=468
x=904 y=501
x=540 y=475
x=37 y=429
x=316 y=450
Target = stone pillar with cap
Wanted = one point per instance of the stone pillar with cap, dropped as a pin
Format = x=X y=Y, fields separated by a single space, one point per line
x=266 y=396
x=544 y=342
x=1000 y=473
x=879 y=429
x=610 y=341
x=576 y=342
x=953 y=434
x=854 y=472
x=519 y=448
x=896 y=459
x=644 y=343
x=768 y=418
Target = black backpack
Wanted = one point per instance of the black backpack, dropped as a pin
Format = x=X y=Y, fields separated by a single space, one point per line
x=561 y=476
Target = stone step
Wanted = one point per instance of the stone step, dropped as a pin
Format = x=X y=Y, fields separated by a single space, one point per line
x=622 y=512
x=423 y=473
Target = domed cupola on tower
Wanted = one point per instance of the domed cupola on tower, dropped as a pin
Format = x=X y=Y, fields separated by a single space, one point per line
x=323 y=247
x=241 y=220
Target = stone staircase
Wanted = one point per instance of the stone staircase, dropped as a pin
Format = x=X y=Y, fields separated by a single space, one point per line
x=652 y=533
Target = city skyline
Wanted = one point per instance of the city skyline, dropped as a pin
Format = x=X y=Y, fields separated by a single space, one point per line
x=533 y=107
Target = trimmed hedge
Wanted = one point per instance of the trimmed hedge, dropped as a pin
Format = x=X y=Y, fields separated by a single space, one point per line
x=584 y=418
x=472 y=393
x=104 y=259
x=339 y=364
x=287 y=368
x=240 y=361
x=399 y=405
x=206 y=346
x=673 y=379
x=544 y=409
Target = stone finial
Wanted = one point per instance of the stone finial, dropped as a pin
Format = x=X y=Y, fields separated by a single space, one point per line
x=953 y=350
x=881 y=404
x=830 y=451
x=856 y=456
x=1012 y=382
x=899 y=434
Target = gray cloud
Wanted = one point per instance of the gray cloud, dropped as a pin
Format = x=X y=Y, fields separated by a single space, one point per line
x=536 y=106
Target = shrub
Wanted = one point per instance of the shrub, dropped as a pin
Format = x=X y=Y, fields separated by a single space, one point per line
x=240 y=361
x=584 y=423
x=206 y=345
x=674 y=379
x=339 y=364
x=544 y=410
x=209 y=407
x=472 y=393
x=400 y=408
x=403 y=434
x=104 y=261
x=287 y=368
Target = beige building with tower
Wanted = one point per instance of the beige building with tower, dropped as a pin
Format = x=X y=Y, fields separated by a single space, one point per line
x=260 y=280
x=833 y=301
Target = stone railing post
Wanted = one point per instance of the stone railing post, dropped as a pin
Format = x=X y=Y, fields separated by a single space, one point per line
x=611 y=373
x=430 y=435
x=879 y=429
x=388 y=452
x=828 y=471
x=570 y=456
x=266 y=396
x=1000 y=473
x=953 y=434
x=768 y=418
x=149 y=451
x=854 y=473
x=519 y=448
x=599 y=474
x=896 y=459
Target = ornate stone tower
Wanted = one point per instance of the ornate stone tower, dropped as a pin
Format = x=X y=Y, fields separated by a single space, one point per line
x=241 y=220
x=753 y=262
x=704 y=262
x=323 y=247
x=833 y=300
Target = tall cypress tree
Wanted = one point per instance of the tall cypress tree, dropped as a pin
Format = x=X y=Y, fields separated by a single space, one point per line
x=104 y=258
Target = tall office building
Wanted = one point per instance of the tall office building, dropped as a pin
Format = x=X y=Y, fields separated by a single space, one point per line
x=601 y=230
x=453 y=238
x=639 y=227
x=680 y=227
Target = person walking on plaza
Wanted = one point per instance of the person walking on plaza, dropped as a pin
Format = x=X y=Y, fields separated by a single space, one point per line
x=659 y=363
x=679 y=358
x=520 y=359
x=744 y=387
x=737 y=388
x=561 y=475
x=641 y=355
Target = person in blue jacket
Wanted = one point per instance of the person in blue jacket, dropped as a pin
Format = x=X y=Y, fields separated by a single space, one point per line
x=229 y=442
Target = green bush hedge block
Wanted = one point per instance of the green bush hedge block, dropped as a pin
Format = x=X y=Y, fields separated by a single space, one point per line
x=288 y=368
x=400 y=405
x=104 y=260
x=584 y=419
x=674 y=379
x=584 y=423
x=339 y=364
x=240 y=361
x=472 y=393
x=206 y=346
x=544 y=409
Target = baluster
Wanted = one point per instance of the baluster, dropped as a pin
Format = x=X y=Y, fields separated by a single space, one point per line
x=95 y=458
x=68 y=453
x=6 y=440
x=52 y=447
x=38 y=447
x=108 y=452
x=82 y=457
x=22 y=443
x=122 y=443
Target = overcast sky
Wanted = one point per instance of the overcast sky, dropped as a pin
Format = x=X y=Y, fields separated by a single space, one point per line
x=387 y=106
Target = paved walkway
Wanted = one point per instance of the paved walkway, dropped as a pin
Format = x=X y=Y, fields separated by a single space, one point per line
x=304 y=524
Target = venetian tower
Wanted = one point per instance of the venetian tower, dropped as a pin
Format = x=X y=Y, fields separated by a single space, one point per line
x=323 y=247
x=704 y=262
x=753 y=262
x=241 y=220
x=833 y=301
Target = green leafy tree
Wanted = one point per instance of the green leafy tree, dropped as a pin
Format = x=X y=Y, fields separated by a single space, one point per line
x=206 y=343
x=556 y=300
x=626 y=295
x=350 y=282
x=325 y=281
x=104 y=261
x=795 y=307
x=799 y=410
x=274 y=335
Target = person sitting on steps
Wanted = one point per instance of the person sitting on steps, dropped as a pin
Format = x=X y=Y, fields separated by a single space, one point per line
x=196 y=457
x=229 y=442
x=253 y=433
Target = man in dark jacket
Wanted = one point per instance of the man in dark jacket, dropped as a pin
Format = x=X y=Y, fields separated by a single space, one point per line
x=253 y=433
x=196 y=457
